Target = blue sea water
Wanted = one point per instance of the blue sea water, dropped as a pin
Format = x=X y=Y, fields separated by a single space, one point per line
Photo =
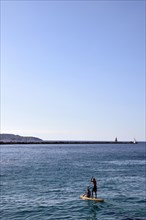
x=44 y=182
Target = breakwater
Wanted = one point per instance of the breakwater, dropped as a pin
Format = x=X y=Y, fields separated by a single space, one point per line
x=66 y=142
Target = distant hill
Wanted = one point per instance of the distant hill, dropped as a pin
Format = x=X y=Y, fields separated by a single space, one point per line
x=7 y=138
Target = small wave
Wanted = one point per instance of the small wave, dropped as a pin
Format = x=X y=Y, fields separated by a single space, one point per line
x=127 y=162
x=133 y=218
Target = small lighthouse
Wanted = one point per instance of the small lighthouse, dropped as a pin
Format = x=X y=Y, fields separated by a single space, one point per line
x=116 y=140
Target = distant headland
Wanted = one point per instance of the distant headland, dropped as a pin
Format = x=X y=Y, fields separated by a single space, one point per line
x=14 y=139
x=17 y=139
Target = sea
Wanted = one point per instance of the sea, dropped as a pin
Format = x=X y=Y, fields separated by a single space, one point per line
x=44 y=182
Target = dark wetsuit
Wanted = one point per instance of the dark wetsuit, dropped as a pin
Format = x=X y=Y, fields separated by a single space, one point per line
x=88 y=194
x=94 y=189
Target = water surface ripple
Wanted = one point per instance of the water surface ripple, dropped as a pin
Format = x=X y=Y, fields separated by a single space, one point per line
x=45 y=181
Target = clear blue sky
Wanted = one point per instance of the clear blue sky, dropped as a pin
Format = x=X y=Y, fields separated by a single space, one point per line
x=73 y=70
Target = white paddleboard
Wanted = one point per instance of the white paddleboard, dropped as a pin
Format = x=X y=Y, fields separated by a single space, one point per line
x=84 y=197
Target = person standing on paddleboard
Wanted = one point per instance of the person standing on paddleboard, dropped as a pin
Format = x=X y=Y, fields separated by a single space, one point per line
x=94 y=189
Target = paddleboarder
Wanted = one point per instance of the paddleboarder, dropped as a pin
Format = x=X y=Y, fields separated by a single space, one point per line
x=94 y=188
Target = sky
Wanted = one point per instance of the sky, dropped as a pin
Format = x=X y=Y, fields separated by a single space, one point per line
x=73 y=70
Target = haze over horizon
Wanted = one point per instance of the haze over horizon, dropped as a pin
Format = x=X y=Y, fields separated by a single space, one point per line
x=73 y=70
